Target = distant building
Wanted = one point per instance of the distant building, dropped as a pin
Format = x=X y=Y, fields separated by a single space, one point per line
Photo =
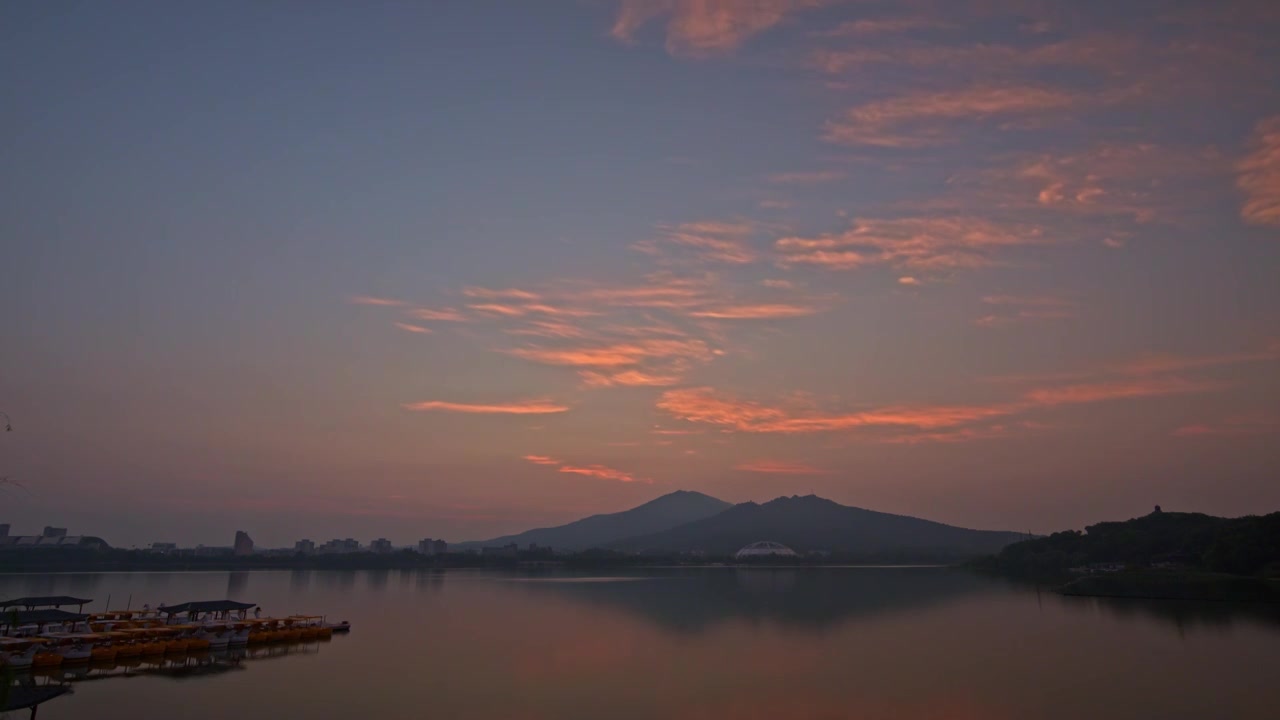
x=339 y=547
x=58 y=542
x=427 y=546
x=164 y=548
x=243 y=545
x=213 y=551
x=304 y=546
x=764 y=548
x=4 y=529
x=53 y=532
x=381 y=545
x=441 y=547
x=510 y=550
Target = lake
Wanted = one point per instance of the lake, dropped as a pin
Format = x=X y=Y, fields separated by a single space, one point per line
x=901 y=643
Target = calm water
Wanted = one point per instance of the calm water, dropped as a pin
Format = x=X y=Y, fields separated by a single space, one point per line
x=706 y=643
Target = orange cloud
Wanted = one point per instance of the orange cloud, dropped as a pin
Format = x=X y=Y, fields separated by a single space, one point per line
x=445 y=315
x=543 y=328
x=627 y=378
x=527 y=407
x=541 y=460
x=957 y=435
x=713 y=241
x=883 y=26
x=602 y=472
x=704 y=405
x=1151 y=364
x=908 y=280
x=617 y=354
x=807 y=178
x=375 y=301
x=1022 y=309
x=507 y=294
x=1118 y=390
x=1259 y=175
x=500 y=309
x=778 y=284
x=780 y=467
x=557 y=310
x=920 y=243
x=669 y=295
x=917 y=120
x=1231 y=426
x=698 y=28
x=412 y=328
x=762 y=311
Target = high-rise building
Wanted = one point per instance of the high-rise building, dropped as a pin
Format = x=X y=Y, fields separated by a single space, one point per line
x=244 y=544
x=427 y=546
x=441 y=547
x=53 y=532
x=4 y=529
x=304 y=546
x=381 y=545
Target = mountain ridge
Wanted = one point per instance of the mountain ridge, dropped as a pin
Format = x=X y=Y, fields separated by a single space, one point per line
x=811 y=523
x=661 y=513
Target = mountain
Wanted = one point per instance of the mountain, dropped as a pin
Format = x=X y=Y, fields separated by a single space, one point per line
x=812 y=523
x=668 y=511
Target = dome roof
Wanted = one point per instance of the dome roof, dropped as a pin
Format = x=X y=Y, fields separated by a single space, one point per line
x=765 y=547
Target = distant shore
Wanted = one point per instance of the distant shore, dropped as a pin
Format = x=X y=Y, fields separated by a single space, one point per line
x=142 y=561
x=1196 y=586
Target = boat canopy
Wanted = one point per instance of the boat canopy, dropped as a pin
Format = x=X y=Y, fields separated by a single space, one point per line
x=48 y=601
x=207 y=606
x=39 y=617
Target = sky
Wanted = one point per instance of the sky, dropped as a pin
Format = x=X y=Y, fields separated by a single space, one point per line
x=461 y=268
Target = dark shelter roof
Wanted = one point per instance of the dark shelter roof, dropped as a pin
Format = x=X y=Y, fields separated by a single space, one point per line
x=21 y=698
x=207 y=606
x=49 y=601
x=28 y=617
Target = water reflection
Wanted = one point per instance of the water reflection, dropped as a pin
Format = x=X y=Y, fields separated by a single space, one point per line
x=237 y=584
x=688 y=643
x=811 y=598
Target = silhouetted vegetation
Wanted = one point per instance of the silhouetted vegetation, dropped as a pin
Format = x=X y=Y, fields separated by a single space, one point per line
x=1162 y=540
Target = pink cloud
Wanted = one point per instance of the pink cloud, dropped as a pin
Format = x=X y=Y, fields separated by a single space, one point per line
x=627 y=378
x=603 y=472
x=374 y=301
x=918 y=243
x=630 y=353
x=882 y=26
x=445 y=315
x=500 y=309
x=699 y=28
x=500 y=294
x=919 y=119
x=705 y=405
x=541 y=460
x=412 y=328
x=807 y=178
x=1231 y=426
x=762 y=311
x=780 y=467
x=1258 y=175
x=526 y=407
x=1119 y=389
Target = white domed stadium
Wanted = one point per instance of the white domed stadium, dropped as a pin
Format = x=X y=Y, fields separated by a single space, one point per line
x=765 y=548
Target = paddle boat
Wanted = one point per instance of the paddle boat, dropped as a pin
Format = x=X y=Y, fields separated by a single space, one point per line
x=18 y=653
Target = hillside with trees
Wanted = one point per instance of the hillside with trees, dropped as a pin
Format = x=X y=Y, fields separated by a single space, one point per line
x=1247 y=545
